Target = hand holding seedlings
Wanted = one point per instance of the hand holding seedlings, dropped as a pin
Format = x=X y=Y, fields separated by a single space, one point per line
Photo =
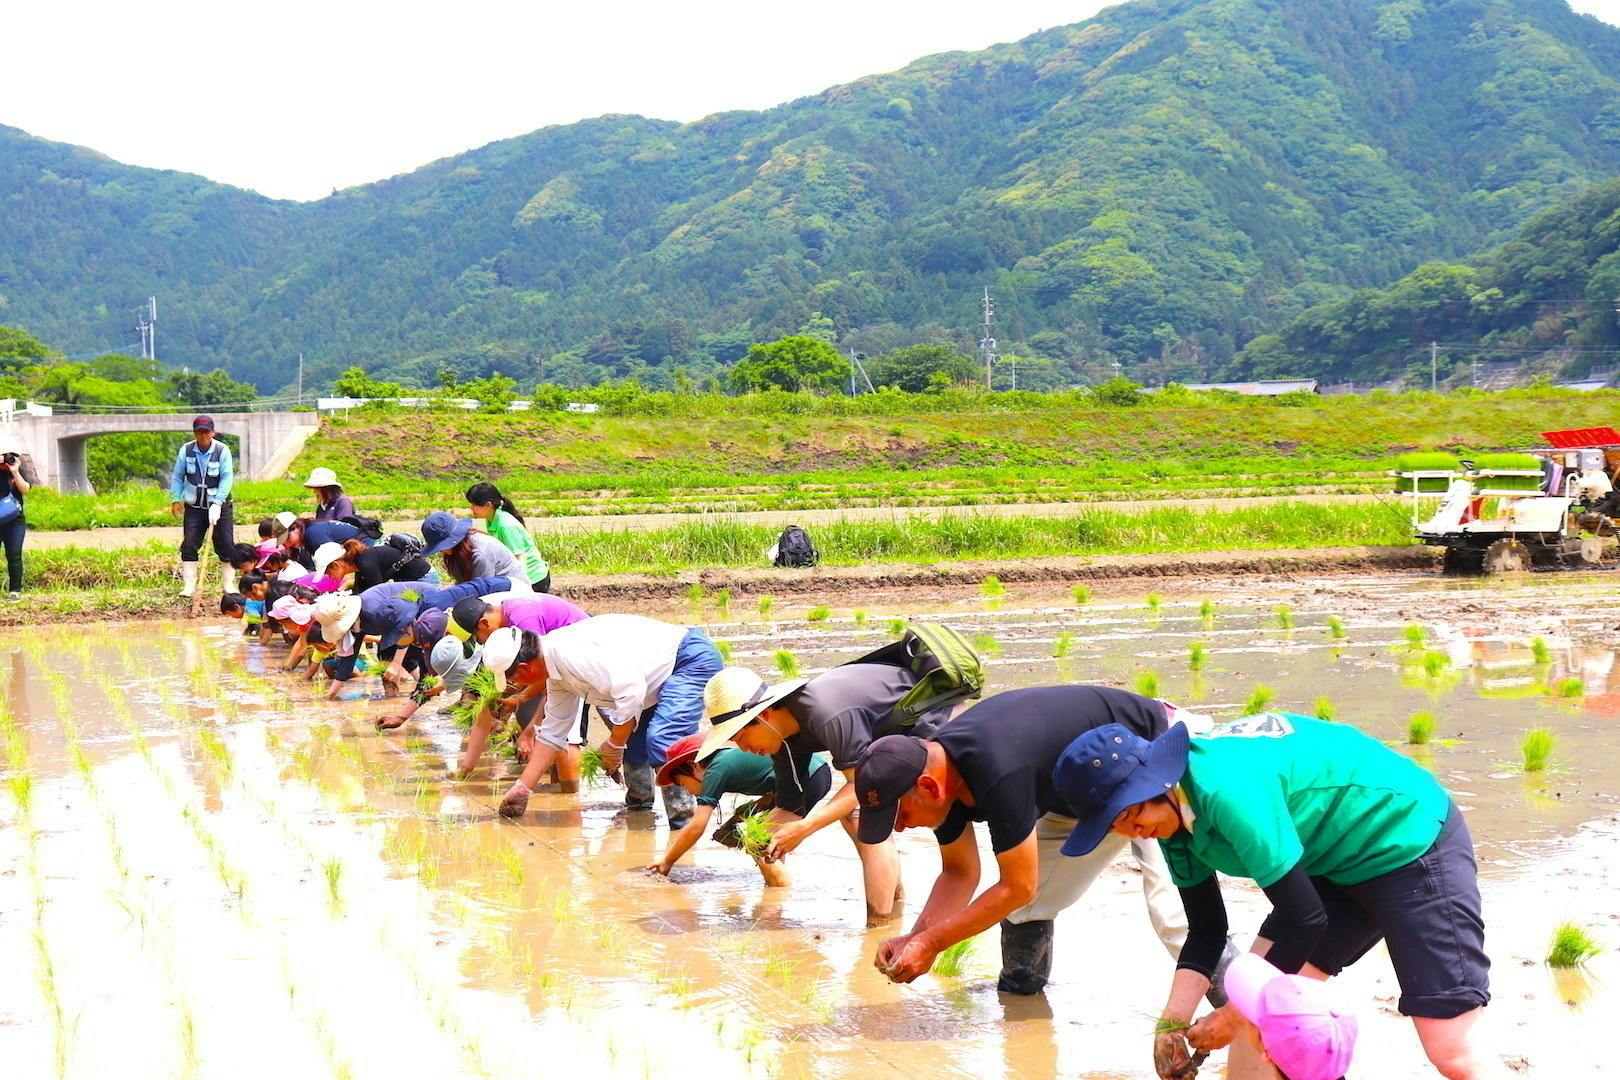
x=612 y=756
x=516 y=800
x=785 y=837
x=1172 y=1059
x=905 y=959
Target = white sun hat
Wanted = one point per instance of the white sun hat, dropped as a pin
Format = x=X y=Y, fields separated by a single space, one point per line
x=337 y=613
x=320 y=477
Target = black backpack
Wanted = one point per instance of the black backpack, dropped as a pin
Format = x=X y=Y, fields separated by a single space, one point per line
x=370 y=527
x=408 y=546
x=794 y=548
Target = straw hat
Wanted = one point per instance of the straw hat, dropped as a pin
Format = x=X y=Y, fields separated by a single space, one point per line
x=337 y=613
x=733 y=698
x=322 y=477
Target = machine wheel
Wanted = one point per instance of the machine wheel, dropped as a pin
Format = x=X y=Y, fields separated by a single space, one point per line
x=1462 y=560
x=1507 y=557
x=1592 y=550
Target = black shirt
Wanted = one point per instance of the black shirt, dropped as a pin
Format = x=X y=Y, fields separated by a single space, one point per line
x=375 y=565
x=1006 y=747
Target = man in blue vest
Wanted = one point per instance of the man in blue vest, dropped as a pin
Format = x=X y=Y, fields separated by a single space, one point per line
x=201 y=490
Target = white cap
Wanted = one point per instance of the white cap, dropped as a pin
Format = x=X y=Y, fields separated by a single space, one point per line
x=325 y=556
x=336 y=612
x=285 y=519
x=499 y=652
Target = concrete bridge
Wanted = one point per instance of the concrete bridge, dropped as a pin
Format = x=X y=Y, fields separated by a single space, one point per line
x=267 y=441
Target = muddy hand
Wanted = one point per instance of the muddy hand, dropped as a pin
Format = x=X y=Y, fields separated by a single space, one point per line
x=788 y=835
x=910 y=961
x=516 y=800
x=1216 y=1030
x=1171 y=1058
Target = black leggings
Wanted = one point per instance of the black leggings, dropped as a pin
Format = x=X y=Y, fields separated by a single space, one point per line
x=12 y=534
x=194 y=526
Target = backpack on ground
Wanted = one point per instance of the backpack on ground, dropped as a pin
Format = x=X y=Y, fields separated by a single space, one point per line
x=370 y=527
x=793 y=548
x=947 y=668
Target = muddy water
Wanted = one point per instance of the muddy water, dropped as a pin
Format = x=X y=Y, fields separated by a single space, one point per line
x=218 y=875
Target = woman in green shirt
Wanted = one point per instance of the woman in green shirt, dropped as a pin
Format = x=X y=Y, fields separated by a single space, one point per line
x=1350 y=841
x=502 y=521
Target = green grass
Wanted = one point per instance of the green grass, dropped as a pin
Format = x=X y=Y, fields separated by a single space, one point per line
x=1324 y=709
x=1285 y=617
x=1064 y=642
x=1197 y=656
x=819 y=613
x=1259 y=701
x=1081 y=594
x=786 y=663
x=1536 y=749
x=1571 y=946
x=1147 y=684
x=952 y=960
x=991 y=586
x=1420 y=728
x=1540 y=651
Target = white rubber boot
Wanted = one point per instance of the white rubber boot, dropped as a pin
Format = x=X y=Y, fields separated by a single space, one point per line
x=188 y=578
x=227 y=573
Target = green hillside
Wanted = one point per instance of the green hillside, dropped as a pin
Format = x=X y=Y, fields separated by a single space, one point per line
x=1157 y=185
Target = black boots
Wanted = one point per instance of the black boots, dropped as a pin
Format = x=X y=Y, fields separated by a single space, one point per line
x=1026 y=957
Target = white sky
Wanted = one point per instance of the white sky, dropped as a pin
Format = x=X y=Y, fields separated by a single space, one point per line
x=295 y=98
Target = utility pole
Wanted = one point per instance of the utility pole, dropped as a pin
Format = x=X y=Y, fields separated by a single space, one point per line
x=987 y=344
x=1474 y=363
x=151 y=328
x=1434 y=362
x=300 y=380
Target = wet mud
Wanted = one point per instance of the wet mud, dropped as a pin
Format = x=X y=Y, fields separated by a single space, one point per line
x=207 y=872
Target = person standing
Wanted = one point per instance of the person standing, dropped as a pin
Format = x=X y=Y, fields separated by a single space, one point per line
x=201 y=490
x=18 y=472
x=502 y=521
x=331 y=504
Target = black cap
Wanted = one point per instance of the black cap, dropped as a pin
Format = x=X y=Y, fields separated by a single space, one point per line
x=887 y=770
x=468 y=611
x=202 y=423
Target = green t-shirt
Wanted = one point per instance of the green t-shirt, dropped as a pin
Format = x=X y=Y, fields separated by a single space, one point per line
x=515 y=536
x=734 y=772
x=1275 y=790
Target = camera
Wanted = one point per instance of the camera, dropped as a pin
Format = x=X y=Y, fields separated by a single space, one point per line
x=9 y=459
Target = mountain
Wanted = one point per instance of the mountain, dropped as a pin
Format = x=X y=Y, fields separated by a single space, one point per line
x=1158 y=185
x=1549 y=298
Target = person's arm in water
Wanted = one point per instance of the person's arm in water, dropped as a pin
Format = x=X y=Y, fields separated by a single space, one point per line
x=477 y=739
x=948 y=917
x=683 y=841
x=836 y=808
x=300 y=646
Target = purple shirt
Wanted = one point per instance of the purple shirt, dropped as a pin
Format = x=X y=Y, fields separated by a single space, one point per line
x=541 y=613
x=336 y=510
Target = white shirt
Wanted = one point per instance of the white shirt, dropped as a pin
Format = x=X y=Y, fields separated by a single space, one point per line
x=617 y=663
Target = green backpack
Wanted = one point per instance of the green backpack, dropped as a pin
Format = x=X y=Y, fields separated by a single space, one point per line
x=947 y=668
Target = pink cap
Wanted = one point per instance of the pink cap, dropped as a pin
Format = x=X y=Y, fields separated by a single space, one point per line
x=289 y=609
x=266 y=548
x=1301 y=1027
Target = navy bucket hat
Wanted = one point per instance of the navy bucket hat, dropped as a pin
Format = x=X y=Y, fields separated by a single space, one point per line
x=1111 y=768
x=442 y=530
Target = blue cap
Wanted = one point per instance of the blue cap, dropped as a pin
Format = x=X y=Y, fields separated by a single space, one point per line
x=1111 y=768
x=442 y=529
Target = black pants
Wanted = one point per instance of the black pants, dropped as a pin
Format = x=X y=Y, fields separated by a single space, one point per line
x=12 y=533
x=194 y=526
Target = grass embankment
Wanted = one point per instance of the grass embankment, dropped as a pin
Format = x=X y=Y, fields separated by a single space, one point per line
x=132 y=581
x=791 y=452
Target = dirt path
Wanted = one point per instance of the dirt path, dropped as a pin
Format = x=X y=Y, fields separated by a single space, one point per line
x=108 y=539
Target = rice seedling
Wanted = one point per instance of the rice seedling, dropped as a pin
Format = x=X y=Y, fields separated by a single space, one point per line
x=897 y=627
x=333 y=869
x=1154 y=603
x=1435 y=664
x=953 y=958
x=1540 y=651
x=1206 y=612
x=986 y=644
x=1197 y=656
x=1336 y=629
x=22 y=792
x=1081 y=594
x=1285 y=617
x=508 y=859
x=861 y=617
x=1536 y=748
x=722 y=599
x=1420 y=728
x=819 y=613
x=723 y=647
x=1324 y=709
x=765 y=604
x=1061 y=647
x=754 y=834
x=695 y=592
x=779 y=966
x=1416 y=637
x=591 y=767
x=1147 y=684
x=1571 y=946
x=786 y=663
x=1568 y=688
x=478 y=692
x=991 y=586
x=1259 y=701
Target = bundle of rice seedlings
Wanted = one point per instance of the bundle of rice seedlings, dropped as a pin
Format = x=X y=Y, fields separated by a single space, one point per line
x=1197 y=655
x=1154 y=602
x=861 y=617
x=1285 y=617
x=953 y=958
x=1416 y=637
x=1571 y=946
x=1420 y=728
x=1206 y=612
x=766 y=603
x=754 y=834
x=1325 y=709
x=1081 y=594
x=1540 y=651
x=430 y=682
x=722 y=599
x=1259 y=701
x=986 y=644
x=723 y=647
x=1569 y=688
x=696 y=592
x=478 y=693
x=1147 y=684
x=819 y=613
x=1536 y=747
x=991 y=586
x=1061 y=647
x=787 y=663
x=897 y=627
x=1336 y=628
x=591 y=769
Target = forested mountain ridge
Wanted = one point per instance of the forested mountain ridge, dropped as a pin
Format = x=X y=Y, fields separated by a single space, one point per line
x=1157 y=185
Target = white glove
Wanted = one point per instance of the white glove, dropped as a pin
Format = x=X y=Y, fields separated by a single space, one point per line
x=213 y=513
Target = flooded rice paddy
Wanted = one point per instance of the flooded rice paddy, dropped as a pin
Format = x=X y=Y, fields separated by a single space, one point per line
x=205 y=871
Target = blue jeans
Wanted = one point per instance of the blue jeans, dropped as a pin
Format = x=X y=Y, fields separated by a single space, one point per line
x=680 y=702
x=11 y=534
